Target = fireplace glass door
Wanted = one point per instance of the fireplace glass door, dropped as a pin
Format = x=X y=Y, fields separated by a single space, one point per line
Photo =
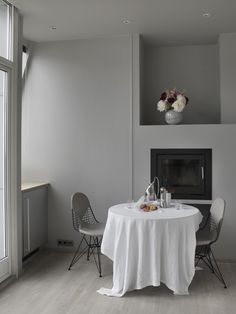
x=184 y=173
x=181 y=174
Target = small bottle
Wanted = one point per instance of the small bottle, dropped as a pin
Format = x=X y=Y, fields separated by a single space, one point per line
x=168 y=199
x=163 y=197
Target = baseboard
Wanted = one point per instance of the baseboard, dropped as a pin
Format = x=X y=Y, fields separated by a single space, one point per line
x=7 y=282
x=27 y=259
x=30 y=255
x=60 y=250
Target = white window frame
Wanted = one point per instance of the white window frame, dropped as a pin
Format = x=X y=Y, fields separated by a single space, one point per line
x=13 y=149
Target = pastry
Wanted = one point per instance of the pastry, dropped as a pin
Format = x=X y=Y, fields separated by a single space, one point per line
x=148 y=207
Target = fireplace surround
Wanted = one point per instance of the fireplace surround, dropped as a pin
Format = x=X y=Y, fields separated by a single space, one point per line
x=186 y=173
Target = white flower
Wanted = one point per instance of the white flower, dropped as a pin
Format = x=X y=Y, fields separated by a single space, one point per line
x=161 y=105
x=179 y=104
x=181 y=99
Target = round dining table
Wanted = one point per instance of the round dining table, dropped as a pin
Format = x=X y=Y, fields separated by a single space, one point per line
x=150 y=248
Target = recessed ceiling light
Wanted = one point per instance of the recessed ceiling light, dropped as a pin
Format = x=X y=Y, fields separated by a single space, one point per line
x=206 y=14
x=52 y=28
x=126 y=21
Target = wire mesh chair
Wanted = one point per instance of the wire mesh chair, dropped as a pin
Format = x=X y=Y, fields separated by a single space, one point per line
x=209 y=234
x=85 y=222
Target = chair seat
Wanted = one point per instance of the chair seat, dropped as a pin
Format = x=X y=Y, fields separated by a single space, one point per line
x=95 y=229
x=205 y=237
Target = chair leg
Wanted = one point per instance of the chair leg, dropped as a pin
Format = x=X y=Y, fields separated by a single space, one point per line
x=218 y=272
x=89 y=247
x=77 y=254
x=206 y=255
x=210 y=262
x=96 y=244
x=89 y=250
x=198 y=257
x=99 y=259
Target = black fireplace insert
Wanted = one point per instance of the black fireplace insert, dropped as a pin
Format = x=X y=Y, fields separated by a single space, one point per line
x=186 y=173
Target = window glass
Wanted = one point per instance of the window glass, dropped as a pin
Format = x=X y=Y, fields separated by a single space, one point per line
x=4 y=29
x=2 y=153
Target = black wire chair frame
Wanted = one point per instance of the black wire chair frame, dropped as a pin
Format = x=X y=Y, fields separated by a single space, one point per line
x=204 y=252
x=82 y=214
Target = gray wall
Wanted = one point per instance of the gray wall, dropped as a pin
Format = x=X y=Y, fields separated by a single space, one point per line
x=76 y=133
x=193 y=68
x=76 y=126
x=228 y=77
x=221 y=138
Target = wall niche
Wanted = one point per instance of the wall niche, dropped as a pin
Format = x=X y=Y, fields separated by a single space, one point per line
x=192 y=68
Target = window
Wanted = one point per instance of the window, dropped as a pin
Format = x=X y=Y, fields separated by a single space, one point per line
x=5 y=29
x=9 y=100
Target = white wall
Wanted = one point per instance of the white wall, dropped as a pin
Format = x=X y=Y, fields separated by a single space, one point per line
x=227 y=44
x=193 y=68
x=76 y=131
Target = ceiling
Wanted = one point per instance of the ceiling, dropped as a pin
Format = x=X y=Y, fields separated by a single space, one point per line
x=163 y=22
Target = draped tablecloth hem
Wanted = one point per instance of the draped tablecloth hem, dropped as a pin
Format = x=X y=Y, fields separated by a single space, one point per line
x=150 y=248
x=112 y=293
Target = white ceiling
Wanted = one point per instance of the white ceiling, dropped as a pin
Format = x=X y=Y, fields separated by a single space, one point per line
x=165 y=22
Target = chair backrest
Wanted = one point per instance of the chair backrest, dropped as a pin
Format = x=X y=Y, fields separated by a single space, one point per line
x=216 y=216
x=81 y=210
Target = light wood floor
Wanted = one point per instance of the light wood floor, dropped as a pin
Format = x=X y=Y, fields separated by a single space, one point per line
x=46 y=287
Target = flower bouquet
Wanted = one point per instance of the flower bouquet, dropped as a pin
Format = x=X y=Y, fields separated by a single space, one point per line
x=173 y=102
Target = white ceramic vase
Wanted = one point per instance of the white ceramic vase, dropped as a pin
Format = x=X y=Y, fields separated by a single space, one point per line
x=173 y=117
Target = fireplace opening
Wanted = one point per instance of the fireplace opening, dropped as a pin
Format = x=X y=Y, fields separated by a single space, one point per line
x=186 y=173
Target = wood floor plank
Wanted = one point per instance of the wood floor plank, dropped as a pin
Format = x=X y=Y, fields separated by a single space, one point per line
x=46 y=287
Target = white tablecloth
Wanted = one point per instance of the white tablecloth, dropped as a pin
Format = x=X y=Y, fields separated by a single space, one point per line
x=150 y=247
